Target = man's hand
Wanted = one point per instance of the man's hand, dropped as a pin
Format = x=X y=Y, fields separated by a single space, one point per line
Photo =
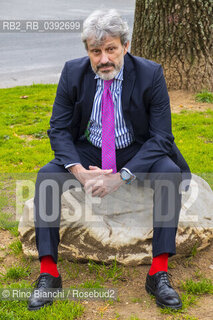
x=83 y=175
x=103 y=185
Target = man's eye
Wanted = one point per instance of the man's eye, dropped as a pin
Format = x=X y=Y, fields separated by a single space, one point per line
x=111 y=49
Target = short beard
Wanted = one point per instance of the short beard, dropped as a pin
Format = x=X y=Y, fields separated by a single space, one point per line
x=108 y=75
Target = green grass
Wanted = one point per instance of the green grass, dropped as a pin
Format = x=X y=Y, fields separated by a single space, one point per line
x=61 y=310
x=187 y=301
x=25 y=147
x=24 y=143
x=72 y=271
x=105 y=272
x=6 y=223
x=193 y=133
x=204 y=96
x=16 y=273
x=91 y=284
x=190 y=258
x=136 y=300
x=17 y=310
x=15 y=247
x=194 y=251
x=182 y=317
x=202 y=286
x=192 y=289
x=171 y=265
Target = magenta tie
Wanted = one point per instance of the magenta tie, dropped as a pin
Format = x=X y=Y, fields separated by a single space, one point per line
x=108 y=129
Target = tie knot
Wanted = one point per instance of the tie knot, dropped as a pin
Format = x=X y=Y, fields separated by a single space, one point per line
x=107 y=83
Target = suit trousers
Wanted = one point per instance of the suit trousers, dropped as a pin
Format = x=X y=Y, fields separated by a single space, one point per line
x=163 y=177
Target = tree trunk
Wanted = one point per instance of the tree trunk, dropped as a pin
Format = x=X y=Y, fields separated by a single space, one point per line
x=178 y=35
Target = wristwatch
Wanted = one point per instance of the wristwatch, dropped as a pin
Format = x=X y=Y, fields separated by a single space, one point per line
x=127 y=176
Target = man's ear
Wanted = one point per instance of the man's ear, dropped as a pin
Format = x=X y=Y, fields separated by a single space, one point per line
x=126 y=46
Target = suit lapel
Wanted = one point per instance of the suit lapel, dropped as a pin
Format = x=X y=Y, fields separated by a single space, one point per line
x=88 y=97
x=127 y=87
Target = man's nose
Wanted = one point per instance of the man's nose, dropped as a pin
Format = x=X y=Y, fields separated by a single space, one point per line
x=104 y=58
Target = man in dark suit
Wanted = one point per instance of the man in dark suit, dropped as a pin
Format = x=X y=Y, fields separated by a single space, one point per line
x=111 y=124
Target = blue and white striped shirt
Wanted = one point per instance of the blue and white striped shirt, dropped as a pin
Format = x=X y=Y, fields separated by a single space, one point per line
x=123 y=138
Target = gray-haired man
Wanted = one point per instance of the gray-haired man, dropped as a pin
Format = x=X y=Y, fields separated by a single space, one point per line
x=111 y=122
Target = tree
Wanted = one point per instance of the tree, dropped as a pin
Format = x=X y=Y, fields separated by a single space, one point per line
x=178 y=35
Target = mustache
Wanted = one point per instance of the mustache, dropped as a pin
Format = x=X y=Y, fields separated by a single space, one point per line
x=108 y=64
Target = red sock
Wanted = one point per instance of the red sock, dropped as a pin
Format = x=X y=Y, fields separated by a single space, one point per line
x=159 y=263
x=49 y=266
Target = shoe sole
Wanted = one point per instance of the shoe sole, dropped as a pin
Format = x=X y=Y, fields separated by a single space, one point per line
x=37 y=308
x=159 y=304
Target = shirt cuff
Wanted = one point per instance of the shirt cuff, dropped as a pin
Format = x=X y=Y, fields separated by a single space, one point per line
x=71 y=164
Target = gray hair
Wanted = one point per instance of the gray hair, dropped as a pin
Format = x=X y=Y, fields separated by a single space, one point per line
x=102 y=23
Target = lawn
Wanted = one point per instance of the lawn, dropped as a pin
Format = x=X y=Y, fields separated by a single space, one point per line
x=24 y=148
x=24 y=144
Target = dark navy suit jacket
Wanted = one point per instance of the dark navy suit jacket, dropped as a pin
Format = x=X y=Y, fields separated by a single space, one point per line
x=145 y=104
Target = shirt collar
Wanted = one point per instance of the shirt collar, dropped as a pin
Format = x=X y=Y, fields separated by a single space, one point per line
x=119 y=75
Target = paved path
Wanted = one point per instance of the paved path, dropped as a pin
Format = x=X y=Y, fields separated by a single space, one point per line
x=27 y=58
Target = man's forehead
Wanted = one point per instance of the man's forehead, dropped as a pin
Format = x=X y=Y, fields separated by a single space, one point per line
x=94 y=43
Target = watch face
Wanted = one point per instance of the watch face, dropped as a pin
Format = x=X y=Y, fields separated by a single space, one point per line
x=125 y=175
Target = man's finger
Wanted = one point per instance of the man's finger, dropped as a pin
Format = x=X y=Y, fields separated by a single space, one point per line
x=103 y=194
x=96 y=191
x=88 y=185
x=94 y=168
x=92 y=184
x=107 y=171
x=88 y=189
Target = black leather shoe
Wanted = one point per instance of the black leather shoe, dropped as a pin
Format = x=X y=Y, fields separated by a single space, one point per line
x=44 y=282
x=159 y=286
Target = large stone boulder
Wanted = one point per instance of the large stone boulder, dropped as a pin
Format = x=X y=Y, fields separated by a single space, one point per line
x=120 y=225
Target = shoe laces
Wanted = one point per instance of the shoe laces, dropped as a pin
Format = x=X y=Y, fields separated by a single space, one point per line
x=40 y=282
x=165 y=277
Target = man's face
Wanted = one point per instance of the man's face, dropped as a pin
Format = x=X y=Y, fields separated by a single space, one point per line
x=107 y=58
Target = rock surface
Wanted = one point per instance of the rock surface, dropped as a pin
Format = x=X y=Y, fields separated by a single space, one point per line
x=121 y=224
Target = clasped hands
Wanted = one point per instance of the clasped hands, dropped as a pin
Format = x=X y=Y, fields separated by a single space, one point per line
x=97 y=181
